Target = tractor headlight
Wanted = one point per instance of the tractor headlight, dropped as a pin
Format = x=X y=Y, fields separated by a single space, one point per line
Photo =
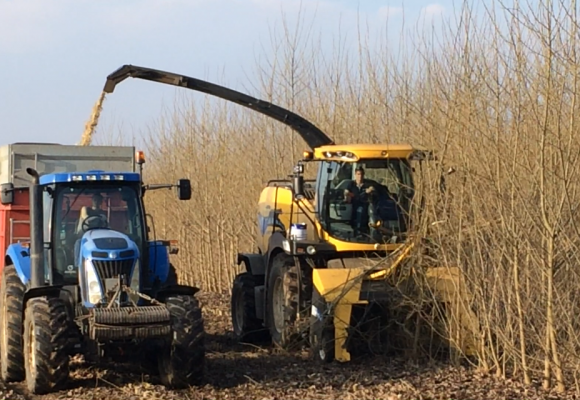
x=93 y=286
x=136 y=276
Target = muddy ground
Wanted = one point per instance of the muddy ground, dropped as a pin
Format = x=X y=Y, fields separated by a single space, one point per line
x=236 y=371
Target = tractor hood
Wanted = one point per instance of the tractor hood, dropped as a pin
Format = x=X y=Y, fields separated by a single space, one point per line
x=106 y=256
x=109 y=244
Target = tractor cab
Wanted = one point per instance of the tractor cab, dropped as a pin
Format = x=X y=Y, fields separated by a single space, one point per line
x=93 y=221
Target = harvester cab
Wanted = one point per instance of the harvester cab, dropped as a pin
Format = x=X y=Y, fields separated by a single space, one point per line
x=88 y=280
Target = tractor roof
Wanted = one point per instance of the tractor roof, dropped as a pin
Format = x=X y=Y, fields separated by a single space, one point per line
x=89 y=176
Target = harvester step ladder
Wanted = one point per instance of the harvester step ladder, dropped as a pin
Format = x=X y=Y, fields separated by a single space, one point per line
x=15 y=239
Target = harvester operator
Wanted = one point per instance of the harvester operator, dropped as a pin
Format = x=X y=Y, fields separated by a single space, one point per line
x=357 y=193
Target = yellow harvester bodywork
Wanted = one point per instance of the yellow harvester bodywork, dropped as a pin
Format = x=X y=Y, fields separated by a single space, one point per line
x=342 y=286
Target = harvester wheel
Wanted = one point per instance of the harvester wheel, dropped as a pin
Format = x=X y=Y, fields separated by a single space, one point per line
x=45 y=342
x=247 y=327
x=282 y=302
x=181 y=363
x=321 y=330
x=11 y=297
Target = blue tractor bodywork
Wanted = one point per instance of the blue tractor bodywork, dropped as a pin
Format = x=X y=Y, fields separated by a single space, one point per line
x=18 y=254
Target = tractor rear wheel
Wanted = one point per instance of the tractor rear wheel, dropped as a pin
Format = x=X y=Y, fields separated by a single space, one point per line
x=181 y=363
x=247 y=327
x=45 y=342
x=11 y=297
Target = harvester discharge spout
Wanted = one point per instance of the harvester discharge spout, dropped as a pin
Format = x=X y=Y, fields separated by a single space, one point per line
x=312 y=135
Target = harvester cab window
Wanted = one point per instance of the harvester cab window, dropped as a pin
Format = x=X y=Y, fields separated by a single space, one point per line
x=350 y=218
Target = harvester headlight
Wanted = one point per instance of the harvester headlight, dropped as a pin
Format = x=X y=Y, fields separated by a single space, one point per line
x=345 y=155
x=95 y=293
x=119 y=177
x=92 y=177
x=286 y=246
x=311 y=250
x=77 y=177
x=106 y=177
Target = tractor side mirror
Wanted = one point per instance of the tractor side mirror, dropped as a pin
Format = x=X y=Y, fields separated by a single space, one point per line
x=7 y=196
x=184 y=189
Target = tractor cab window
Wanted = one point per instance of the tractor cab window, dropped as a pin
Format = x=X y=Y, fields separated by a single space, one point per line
x=80 y=208
x=366 y=201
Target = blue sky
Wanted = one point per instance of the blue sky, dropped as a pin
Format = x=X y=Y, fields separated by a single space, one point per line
x=55 y=55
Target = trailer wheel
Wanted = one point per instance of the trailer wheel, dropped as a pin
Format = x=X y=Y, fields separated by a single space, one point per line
x=321 y=330
x=46 y=344
x=247 y=327
x=11 y=296
x=181 y=363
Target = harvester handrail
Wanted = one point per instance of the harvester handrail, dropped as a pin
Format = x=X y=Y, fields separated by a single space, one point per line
x=311 y=134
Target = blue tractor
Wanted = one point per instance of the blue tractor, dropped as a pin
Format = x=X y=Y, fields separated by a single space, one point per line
x=89 y=281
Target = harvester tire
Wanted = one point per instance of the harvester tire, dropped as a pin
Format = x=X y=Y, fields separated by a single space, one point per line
x=46 y=358
x=282 y=303
x=247 y=327
x=321 y=331
x=11 y=347
x=181 y=363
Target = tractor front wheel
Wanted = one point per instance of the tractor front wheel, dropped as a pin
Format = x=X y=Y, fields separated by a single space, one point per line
x=46 y=358
x=181 y=363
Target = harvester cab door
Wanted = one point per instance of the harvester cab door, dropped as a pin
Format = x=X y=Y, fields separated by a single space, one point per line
x=326 y=172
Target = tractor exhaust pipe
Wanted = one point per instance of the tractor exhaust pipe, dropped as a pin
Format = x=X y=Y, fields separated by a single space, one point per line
x=36 y=231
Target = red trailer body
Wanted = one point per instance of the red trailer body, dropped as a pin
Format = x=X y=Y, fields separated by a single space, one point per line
x=14 y=222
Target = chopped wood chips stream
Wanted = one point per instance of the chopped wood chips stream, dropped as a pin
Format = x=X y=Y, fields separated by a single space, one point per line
x=235 y=371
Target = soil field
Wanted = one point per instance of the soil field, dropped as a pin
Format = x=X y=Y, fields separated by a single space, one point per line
x=235 y=371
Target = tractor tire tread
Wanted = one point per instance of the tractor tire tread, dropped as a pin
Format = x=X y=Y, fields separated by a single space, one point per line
x=49 y=318
x=12 y=293
x=182 y=364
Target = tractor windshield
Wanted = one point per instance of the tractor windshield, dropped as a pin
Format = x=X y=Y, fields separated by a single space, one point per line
x=366 y=201
x=79 y=207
